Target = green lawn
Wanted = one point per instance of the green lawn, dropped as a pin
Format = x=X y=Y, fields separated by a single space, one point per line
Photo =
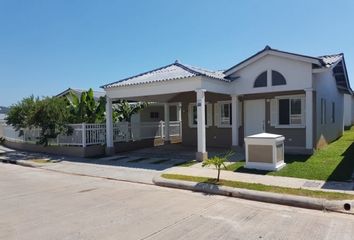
x=262 y=187
x=334 y=163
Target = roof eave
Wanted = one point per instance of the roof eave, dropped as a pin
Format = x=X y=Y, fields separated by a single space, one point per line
x=275 y=52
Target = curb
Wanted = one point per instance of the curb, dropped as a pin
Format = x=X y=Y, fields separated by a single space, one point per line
x=20 y=163
x=277 y=198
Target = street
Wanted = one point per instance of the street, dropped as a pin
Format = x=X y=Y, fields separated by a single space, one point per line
x=43 y=204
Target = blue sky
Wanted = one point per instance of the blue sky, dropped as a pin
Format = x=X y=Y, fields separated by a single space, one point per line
x=48 y=46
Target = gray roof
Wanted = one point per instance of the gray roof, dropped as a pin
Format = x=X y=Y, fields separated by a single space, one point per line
x=77 y=92
x=178 y=71
x=166 y=73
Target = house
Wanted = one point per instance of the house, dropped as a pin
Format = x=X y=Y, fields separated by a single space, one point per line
x=298 y=96
x=3 y=112
x=78 y=92
x=348 y=110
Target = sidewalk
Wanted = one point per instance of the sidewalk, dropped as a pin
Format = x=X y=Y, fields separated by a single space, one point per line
x=143 y=172
x=344 y=187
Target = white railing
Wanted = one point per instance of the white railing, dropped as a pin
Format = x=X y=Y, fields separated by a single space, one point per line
x=175 y=128
x=90 y=134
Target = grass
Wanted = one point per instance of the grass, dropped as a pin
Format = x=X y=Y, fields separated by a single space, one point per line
x=186 y=164
x=335 y=162
x=263 y=188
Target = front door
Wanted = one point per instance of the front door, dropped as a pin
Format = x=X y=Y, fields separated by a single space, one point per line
x=254 y=111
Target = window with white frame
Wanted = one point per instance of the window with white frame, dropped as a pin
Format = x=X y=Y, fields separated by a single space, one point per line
x=223 y=114
x=192 y=115
x=288 y=111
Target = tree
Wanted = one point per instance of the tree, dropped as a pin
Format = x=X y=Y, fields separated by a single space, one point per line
x=20 y=115
x=50 y=114
x=86 y=109
x=218 y=161
x=125 y=110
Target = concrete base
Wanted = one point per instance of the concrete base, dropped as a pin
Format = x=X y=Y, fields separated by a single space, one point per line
x=110 y=151
x=265 y=166
x=201 y=156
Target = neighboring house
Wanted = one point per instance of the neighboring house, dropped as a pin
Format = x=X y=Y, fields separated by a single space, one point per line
x=3 y=111
x=349 y=110
x=300 y=97
x=78 y=92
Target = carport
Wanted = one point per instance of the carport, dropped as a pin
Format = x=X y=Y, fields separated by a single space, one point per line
x=164 y=84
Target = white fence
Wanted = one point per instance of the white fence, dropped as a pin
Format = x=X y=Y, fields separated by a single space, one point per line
x=91 y=134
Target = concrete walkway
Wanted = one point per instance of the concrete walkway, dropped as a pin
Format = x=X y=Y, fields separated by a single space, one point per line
x=346 y=187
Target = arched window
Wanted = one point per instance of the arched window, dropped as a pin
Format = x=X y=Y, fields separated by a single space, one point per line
x=277 y=78
x=261 y=80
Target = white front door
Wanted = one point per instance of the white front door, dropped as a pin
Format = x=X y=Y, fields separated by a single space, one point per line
x=254 y=116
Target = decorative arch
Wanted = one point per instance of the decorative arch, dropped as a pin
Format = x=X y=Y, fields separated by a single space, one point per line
x=277 y=78
x=261 y=80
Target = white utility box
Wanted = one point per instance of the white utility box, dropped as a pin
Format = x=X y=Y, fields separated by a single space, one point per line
x=265 y=151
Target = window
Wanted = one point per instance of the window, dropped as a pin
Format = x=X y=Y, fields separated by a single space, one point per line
x=323 y=111
x=277 y=78
x=192 y=115
x=225 y=114
x=261 y=80
x=333 y=112
x=290 y=111
x=154 y=115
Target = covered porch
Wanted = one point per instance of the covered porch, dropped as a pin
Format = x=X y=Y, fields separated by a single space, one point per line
x=196 y=96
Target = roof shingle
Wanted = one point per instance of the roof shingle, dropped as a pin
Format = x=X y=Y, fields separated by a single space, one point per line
x=166 y=73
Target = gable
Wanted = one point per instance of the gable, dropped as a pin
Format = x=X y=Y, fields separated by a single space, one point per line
x=269 y=51
x=297 y=75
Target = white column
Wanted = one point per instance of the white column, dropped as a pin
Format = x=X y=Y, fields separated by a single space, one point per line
x=235 y=124
x=179 y=118
x=109 y=127
x=167 y=121
x=309 y=118
x=201 y=154
x=179 y=112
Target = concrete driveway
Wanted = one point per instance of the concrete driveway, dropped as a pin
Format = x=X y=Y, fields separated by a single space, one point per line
x=42 y=204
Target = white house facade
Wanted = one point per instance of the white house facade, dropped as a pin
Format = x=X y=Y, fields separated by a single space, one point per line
x=306 y=99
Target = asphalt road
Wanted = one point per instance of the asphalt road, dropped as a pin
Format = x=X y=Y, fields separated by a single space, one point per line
x=41 y=204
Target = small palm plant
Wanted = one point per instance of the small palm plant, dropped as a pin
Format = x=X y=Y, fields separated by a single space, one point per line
x=218 y=162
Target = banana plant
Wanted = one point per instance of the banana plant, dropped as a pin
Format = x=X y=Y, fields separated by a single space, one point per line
x=126 y=110
x=123 y=111
x=86 y=109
